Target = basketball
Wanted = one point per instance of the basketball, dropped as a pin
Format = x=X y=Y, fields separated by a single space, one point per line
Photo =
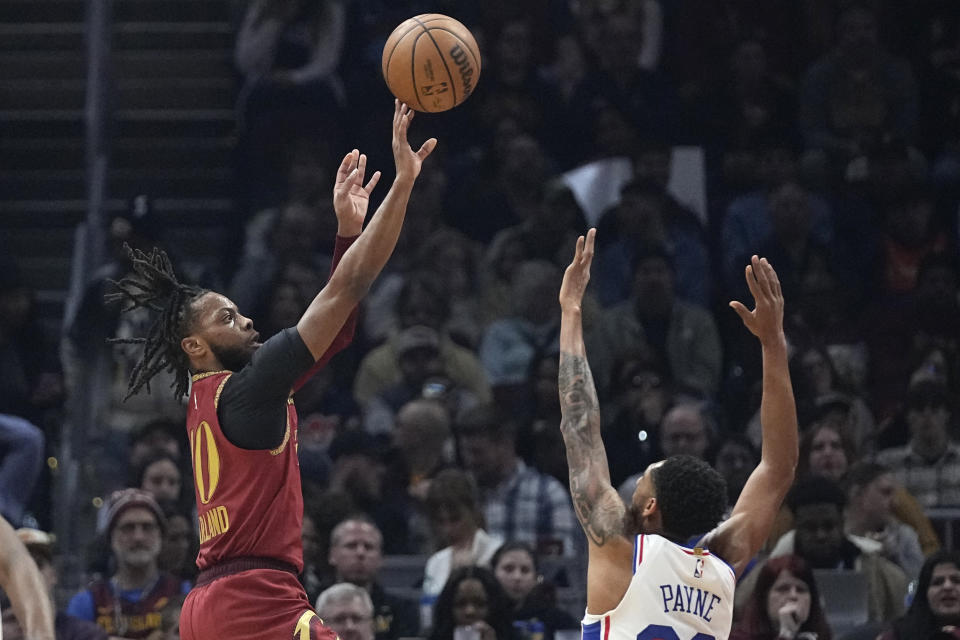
x=431 y=62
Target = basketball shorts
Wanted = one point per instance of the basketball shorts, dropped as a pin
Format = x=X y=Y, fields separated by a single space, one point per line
x=259 y=604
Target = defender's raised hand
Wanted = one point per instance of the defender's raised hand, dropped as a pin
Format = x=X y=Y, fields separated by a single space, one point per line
x=577 y=275
x=407 y=160
x=766 y=319
x=350 y=196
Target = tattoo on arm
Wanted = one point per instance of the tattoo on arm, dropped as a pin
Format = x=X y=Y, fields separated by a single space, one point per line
x=598 y=508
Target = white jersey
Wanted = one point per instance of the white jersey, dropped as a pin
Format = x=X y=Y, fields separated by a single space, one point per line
x=677 y=593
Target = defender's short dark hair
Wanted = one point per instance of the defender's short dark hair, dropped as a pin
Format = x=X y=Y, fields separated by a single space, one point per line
x=692 y=496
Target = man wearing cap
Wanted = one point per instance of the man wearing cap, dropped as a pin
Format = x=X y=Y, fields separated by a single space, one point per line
x=40 y=545
x=130 y=603
x=423 y=375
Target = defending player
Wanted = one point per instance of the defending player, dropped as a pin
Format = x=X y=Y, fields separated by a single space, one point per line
x=241 y=421
x=661 y=569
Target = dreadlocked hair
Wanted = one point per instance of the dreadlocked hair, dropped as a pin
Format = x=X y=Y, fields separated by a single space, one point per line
x=154 y=286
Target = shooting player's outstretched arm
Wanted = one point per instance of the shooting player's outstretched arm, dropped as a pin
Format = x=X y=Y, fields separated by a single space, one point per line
x=598 y=506
x=364 y=260
x=738 y=539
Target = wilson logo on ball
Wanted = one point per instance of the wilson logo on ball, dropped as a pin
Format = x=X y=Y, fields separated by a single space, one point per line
x=466 y=69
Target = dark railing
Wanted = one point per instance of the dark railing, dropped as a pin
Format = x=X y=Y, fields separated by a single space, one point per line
x=88 y=254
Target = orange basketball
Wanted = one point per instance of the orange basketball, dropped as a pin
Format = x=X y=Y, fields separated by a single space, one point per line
x=431 y=62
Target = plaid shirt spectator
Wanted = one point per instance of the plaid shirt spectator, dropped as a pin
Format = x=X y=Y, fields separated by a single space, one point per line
x=532 y=507
x=933 y=484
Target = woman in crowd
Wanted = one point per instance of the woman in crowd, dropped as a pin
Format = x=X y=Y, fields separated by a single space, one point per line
x=825 y=451
x=936 y=601
x=472 y=606
x=535 y=614
x=784 y=605
x=457 y=522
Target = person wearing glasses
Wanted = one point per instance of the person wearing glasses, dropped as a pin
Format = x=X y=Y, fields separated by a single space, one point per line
x=348 y=610
x=130 y=603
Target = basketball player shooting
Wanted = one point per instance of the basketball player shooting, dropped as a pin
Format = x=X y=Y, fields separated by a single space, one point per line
x=241 y=420
x=662 y=568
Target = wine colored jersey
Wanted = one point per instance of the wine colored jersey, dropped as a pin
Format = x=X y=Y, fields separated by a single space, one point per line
x=677 y=593
x=249 y=501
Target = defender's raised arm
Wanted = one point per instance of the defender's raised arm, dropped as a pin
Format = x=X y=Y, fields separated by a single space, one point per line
x=739 y=538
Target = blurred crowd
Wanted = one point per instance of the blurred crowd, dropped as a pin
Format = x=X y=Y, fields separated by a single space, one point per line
x=824 y=135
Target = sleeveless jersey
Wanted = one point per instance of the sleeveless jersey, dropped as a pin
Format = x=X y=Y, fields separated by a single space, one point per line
x=677 y=593
x=249 y=502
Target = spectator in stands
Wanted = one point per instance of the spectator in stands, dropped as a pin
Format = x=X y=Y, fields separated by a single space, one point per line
x=641 y=393
x=424 y=440
x=534 y=608
x=453 y=256
x=507 y=190
x=425 y=216
x=287 y=52
x=473 y=598
x=929 y=465
x=785 y=604
x=869 y=514
x=422 y=376
x=648 y=216
x=159 y=475
x=912 y=231
x=643 y=97
x=359 y=471
x=32 y=382
x=546 y=234
x=20 y=467
x=936 y=601
x=31 y=391
x=128 y=603
x=819 y=539
x=421 y=301
x=40 y=545
x=752 y=104
x=510 y=344
x=655 y=323
x=157 y=435
x=454 y=512
x=827 y=452
x=347 y=610
x=294 y=257
x=856 y=94
x=538 y=439
x=929 y=318
x=518 y=502
x=820 y=386
x=686 y=429
x=356 y=557
x=734 y=457
x=178 y=553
